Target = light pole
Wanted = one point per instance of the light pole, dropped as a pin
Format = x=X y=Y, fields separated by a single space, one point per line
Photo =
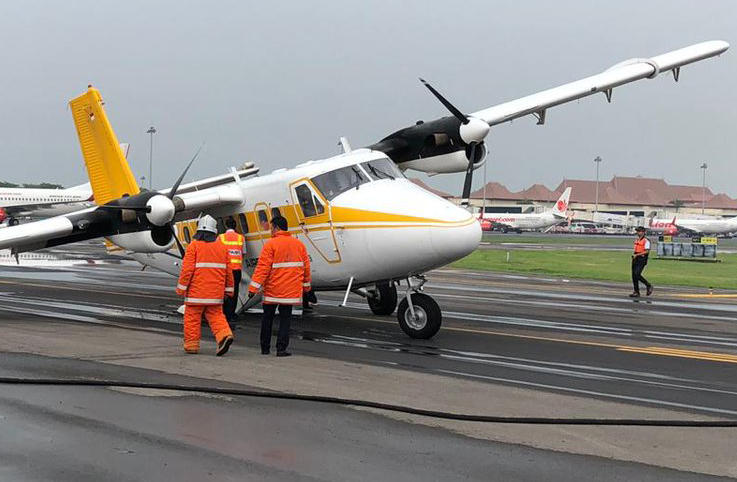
x=151 y=131
x=596 y=209
x=703 y=187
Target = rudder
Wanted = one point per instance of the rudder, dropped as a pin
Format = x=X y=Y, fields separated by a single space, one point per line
x=109 y=173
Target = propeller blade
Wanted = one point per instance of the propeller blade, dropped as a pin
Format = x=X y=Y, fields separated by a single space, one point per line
x=453 y=110
x=179 y=243
x=469 y=175
x=173 y=191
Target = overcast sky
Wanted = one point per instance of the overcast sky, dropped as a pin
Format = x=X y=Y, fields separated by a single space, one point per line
x=278 y=83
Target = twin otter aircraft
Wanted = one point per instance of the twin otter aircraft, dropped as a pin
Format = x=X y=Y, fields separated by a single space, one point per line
x=365 y=226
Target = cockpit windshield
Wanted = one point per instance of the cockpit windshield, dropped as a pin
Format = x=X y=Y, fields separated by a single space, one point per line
x=382 y=169
x=333 y=183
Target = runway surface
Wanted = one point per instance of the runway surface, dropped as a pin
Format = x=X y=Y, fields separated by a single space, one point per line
x=675 y=351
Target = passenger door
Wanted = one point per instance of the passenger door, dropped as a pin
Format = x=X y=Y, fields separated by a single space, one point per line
x=314 y=217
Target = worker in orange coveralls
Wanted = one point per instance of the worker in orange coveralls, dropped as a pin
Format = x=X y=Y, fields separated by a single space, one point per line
x=283 y=274
x=203 y=281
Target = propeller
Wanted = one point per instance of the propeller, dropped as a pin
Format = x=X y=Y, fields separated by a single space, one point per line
x=173 y=193
x=473 y=131
x=159 y=209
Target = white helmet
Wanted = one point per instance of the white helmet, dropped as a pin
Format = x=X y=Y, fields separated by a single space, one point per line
x=207 y=223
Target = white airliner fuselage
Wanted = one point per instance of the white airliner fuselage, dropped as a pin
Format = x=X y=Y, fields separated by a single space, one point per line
x=532 y=221
x=42 y=203
x=708 y=226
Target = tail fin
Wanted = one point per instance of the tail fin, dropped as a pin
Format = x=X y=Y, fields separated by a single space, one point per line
x=109 y=173
x=561 y=205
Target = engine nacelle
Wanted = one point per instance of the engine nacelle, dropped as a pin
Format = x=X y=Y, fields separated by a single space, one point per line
x=156 y=240
x=3 y=215
x=446 y=163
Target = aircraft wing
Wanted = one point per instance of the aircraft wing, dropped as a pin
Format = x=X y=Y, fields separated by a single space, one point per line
x=103 y=221
x=620 y=74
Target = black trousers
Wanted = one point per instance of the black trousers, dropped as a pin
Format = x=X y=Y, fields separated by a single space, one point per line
x=285 y=320
x=230 y=304
x=638 y=264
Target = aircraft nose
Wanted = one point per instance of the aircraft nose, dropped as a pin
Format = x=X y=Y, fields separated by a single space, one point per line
x=454 y=243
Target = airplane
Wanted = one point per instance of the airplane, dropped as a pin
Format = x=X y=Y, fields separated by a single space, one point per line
x=366 y=227
x=18 y=203
x=660 y=226
x=519 y=222
x=30 y=203
x=708 y=226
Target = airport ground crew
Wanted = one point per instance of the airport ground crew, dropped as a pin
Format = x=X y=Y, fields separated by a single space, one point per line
x=283 y=275
x=204 y=281
x=639 y=261
x=233 y=241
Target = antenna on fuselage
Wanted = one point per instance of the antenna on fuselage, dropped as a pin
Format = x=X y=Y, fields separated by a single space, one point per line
x=345 y=145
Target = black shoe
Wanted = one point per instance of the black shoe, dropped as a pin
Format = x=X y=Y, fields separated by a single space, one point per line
x=224 y=345
x=635 y=294
x=649 y=290
x=283 y=353
x=265 y=352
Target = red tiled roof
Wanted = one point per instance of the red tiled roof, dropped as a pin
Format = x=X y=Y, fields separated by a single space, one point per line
x=494 y=190
x=721 y=201
x=537 y=192
x=432 y=190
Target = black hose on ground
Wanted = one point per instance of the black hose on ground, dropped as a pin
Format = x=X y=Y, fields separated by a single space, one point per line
x=631 y=422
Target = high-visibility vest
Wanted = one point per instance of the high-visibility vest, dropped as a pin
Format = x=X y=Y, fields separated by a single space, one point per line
x=234 y=242
x=205 y=277
x=641 y=245
x=283 y=270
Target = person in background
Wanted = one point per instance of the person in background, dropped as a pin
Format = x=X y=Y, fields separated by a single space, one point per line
x=204 y=281
x=639 y=261
x=233 y=242
x=283 y=275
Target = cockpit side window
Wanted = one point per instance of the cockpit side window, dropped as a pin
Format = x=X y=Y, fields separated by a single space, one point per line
x=336 y=182
x=382 y=169
x=306 y=201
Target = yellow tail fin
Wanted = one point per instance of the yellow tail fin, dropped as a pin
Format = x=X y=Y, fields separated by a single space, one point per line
x=109 y=173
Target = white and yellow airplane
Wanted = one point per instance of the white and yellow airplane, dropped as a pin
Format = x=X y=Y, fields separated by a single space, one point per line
x=365 y=226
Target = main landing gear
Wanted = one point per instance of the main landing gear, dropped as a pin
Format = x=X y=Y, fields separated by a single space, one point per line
x=13 y=222
x=418 y=314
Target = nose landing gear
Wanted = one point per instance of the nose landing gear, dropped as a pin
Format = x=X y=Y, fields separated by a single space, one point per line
x=418 y=314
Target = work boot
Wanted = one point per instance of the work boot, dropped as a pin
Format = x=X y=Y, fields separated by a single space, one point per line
x=283 y=353
x=224 y=345
x=635 y=294
x=649 y=290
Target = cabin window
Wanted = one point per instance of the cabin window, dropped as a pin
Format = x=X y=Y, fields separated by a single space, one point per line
x=275 y=212
x=336 y=182
x=263 y=220
x=244 y=223
x=382 y=169
x=187 y=234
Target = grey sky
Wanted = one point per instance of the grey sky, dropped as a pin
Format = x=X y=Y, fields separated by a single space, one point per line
x=278 y=82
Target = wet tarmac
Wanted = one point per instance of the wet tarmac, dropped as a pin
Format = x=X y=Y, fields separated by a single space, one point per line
x=672 y=351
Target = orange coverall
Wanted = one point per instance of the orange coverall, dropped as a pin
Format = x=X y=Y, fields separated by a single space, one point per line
x=283 y=270
x=203 y=281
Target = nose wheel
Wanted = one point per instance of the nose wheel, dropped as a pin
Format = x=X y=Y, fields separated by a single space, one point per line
x=419 y=314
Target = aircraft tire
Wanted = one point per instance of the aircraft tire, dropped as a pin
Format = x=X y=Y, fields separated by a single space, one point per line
x=13 y=222
x=429 y=317
x=386 y=302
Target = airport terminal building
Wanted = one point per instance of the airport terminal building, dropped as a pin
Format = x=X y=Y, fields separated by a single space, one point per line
x=629 y=196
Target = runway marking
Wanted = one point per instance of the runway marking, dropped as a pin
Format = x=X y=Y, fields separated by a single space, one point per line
x=699 y=355
x=664 y=351
x=705 y=295
x=629 y=398
x=87 y=290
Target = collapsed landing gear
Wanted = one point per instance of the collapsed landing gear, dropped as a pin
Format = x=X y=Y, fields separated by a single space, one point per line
x=418 y=314
x=384 y=299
